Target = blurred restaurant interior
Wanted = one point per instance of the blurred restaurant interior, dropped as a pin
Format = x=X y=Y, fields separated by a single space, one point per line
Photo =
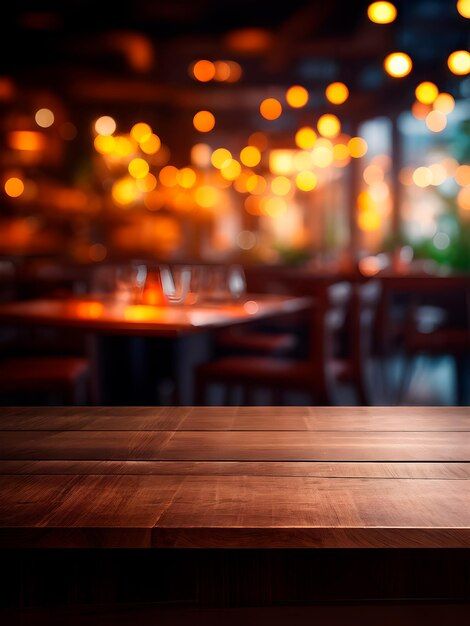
x=235 y=203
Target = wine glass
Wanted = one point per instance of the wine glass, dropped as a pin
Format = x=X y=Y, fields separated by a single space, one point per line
x=175 y=283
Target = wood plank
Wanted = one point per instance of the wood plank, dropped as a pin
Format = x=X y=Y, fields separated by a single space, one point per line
x=235 y=446
x=237 y=418
x=229 y=511
x=325 y=469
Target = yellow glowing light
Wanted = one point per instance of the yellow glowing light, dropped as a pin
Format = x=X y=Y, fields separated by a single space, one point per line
x=382 y=12
x=105 y=125
x=14 y=187
x=444 y=103
x=91 y=309
x=337 y=93
x=141 y=132
x=206 y=196
x=422 y=177
x=250 y=156
x=256 y=184
x=124 y=191
x=459 y=62
x=463 y=199
x=306 y=180
x=322 y=155
x=259 y=140
x=462 y=175
x=274 y=206
x=26 y=140
x=220 y=157
x=281 y=161
x=297 y=96
x=186 y=177
x=436 y=121
x=305 y=138
x=151 y=145
x=168 y=176
x=398 y=64
x=201 y=154
x=138 y=168
x=463 y=7
x=231 y=169
x=280 y=186
x=123 y=146
x=252 y=205
x=420 y=110
x=44 y=118
x=270 y=108
x=357 y=147
x=303 y=160
x=340 y=152
x=203 y=70
x=369 y=219
x=146 y=184
x=204 y=121
x=329 y=125
x=439 y=173
x=104 y=144
x=426 y=92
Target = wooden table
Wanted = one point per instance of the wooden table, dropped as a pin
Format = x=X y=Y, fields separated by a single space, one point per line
x=134 y=346
x=310 y=482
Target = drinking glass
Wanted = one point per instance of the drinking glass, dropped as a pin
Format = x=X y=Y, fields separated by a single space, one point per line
x=175 y=283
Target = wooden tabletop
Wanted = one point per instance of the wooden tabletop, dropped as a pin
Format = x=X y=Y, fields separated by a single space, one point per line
x=114 y=317
x=232 y=477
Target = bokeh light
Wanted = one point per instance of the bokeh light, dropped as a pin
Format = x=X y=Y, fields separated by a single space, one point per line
x=382 y=12
x=281 y=185
x=141 y=132
x=186 y=177
x=151 y=145
x=444 y=103
x=44 y=118
x=463 y=7
x=270 y=109
x=436 y=121
x=422 y=176
x=306 y=180
x=14 y=187
x=337 y=93
x=220 y=157
x=398 y=64
x=297 y=96
x=250 y=156
x=138 y=168
x=357 y=147
x=329 y=125
x=459 y=62
x=305 y=138
x=426 y=92
x=204 y=121
x=104 y=125
x=168 y=176
x=203 y=70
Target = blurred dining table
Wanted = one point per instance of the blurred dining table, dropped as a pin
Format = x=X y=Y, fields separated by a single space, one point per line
x=138 y=351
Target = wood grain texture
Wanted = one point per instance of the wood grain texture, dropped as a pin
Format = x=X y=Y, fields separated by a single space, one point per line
x=223 y=477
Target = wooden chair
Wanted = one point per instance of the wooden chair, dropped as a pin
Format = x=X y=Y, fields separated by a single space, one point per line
x=278 y=375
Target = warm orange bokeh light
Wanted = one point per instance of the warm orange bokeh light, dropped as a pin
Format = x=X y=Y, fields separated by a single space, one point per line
x=204 y=121
x=148 y=183
x=186 y=177
x=436 y=121
x=337 y=93
x=281 y=185
x=250 y=156
x=206 y=196
x=141 y=132
x=462 y=175
x=422 y=177
x=26 y=140
x=203 y=70
x=14 y=187
x=444 y=103
x=459 y=62
x=220 y=157
x=420 y=110
x=463 y=7
x=382 y=12
x=398 y=64
x=105 y=125
x=231 y=169
x=124 y=191
x=357 y=147
x=44 y=118
x=329 y=125
x=297 y=96
x=151 y=145
x=305 y=138
x=306 y=180
x=426 y=92
x=168 y=176
x=259 y=140
x=138 y=168
x=270 y=109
